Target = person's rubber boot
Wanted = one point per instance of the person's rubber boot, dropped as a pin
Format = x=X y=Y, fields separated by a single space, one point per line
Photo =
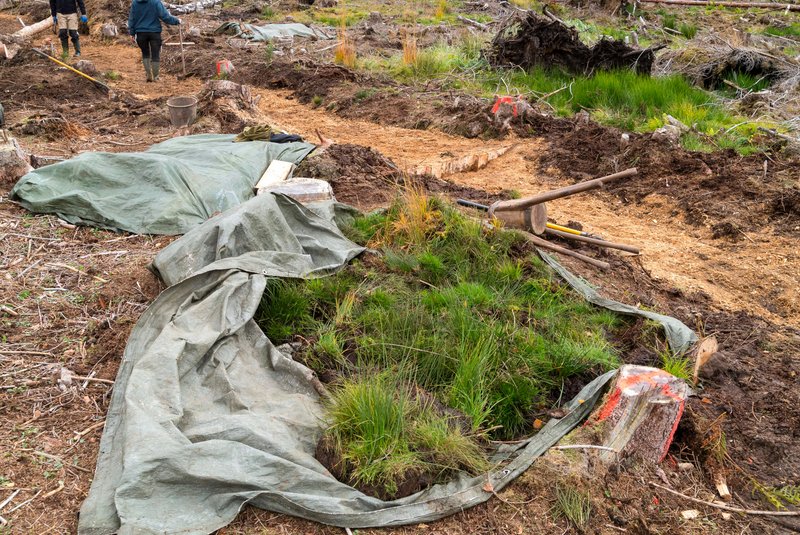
x=156 y=66
x=76 y=43
x=64 y=48
x=148 y=73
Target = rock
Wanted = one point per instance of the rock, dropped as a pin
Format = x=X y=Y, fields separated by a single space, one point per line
x=109 y=30
x=668 y=132
x=676 y=123
x=624 y=139
x=194 y=31
x=86 y=66
x=685 y=467
x=690 y=514
x=582 y=118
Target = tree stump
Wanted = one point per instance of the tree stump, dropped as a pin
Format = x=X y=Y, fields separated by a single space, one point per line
x=13 y=161
x=639 y=416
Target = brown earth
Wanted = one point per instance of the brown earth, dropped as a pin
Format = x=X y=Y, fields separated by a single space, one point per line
x=745 y=292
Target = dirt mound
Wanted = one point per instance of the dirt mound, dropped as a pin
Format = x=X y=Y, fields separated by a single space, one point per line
x=358 y=96
x=358 y=175
x=350 y=94
x=366 y=179
x=528 y=40
x=709 y=188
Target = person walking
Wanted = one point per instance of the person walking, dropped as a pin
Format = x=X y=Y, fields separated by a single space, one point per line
x=144 y=27
x=65 y=16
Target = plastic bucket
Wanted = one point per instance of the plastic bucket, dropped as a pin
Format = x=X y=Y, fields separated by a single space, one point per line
x=182 y=111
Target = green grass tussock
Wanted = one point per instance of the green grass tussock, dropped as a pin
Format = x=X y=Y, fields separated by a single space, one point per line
x=574 y=505
x=470 y=316
x=384 y=433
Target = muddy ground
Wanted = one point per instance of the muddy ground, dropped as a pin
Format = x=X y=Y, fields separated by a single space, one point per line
x=719 y=235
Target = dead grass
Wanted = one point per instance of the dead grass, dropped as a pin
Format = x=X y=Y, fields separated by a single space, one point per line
x=68 y=299
x=410 y=51
x=345 y=53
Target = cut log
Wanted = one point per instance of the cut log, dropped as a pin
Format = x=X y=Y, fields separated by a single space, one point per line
x=176 y=9
x=533 y=219
x=474 y=23
x=33 y=29
x=13 y=161
x=471 y=162
x=764 y=5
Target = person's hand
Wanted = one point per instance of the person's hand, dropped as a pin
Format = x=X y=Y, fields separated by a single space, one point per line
x=84 y=18
x=180 y=22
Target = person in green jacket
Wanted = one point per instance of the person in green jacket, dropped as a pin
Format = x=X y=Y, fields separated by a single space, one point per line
x=144 y=27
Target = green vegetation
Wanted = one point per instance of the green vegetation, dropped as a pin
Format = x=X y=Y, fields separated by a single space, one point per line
x=384 y=433
x=788 y=493
x=574 y=505
x=453 y=309
x=590 y=33
x=677 y=365
x=792 y=30
x=621 y=98
x=688 y=30
x=669 y=21
x=746 y=81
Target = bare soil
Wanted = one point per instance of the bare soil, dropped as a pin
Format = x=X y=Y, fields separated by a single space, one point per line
x=745 y=291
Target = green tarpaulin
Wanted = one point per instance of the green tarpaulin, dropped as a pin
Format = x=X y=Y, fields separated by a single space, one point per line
x=207 y=415
x=168 y=189
x=268 y=32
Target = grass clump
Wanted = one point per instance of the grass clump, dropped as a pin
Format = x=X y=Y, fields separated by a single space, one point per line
x=677 y=365
x=345 y=52
x=574 y=505
x=465 y=328
x=688 y=30
x=386 y=435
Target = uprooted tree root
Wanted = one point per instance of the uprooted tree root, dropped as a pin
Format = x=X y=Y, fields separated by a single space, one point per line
x=531 y=41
